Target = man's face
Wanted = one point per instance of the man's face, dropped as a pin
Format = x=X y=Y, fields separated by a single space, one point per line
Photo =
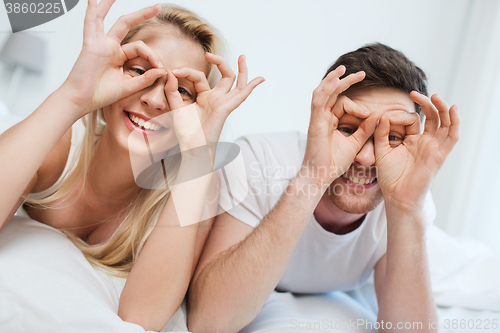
x=357 y=190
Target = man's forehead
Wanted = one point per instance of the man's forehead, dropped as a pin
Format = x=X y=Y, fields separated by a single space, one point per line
x=382 y=99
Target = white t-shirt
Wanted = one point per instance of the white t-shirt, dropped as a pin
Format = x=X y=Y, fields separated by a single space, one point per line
x=322 y=261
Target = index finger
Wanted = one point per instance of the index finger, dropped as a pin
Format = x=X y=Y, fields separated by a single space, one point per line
x=411 y=121
x=121 y=27
x=431 y=115
x=198 y=78
x=344 y=84
x=346 y=105
x=228 y=76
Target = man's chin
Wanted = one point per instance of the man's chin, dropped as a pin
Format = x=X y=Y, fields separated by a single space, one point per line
x=357 y=203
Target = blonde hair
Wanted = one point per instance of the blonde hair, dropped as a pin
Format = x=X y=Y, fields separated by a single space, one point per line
x=118 y=254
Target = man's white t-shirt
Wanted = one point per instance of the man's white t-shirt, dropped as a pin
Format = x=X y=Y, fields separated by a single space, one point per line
x=322 y=261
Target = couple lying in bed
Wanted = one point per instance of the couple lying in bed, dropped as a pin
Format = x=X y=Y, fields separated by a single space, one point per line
x=322 y=211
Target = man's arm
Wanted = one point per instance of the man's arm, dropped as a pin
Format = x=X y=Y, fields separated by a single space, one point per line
x=402 y=279
x=405 y=173
x=229 y=288
x=233 y=281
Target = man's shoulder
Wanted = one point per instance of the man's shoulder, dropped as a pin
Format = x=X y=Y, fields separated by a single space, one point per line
x=286 y=147
x=279 y=154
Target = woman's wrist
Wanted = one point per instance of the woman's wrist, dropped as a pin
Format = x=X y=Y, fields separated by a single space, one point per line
x=58 y=107
x=74 y=103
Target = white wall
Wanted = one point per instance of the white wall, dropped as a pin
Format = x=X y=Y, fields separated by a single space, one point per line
x=290 y=43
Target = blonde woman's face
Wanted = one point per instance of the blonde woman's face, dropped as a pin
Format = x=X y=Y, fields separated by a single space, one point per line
x=175 y=51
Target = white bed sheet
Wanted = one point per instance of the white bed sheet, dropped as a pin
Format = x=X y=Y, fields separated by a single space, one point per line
x=47 y=285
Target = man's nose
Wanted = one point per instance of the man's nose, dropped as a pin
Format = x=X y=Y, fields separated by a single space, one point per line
x=154 y=97
x=366 y=156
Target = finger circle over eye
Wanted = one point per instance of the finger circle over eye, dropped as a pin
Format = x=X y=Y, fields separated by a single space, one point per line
x=140 y=49
x=228 y=76
x=197 y=77
x=346 y=105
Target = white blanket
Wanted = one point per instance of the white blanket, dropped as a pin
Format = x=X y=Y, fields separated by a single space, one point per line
x=47 y=285
x=464 y=273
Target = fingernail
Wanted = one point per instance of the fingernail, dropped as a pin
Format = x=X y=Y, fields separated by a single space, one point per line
x=175 y=71
x=161 y=65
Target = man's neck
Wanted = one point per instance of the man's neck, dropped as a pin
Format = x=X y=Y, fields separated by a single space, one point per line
x=335 y=220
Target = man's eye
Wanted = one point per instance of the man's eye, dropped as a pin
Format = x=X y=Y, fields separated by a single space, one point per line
x=136 y=70
x=184 y=92
x=393 y=137
x=346 y=130
x=395 y=140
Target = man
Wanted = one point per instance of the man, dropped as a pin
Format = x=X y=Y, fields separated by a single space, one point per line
x=325 y=211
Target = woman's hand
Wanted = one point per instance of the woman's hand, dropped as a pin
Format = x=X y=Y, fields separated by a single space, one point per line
x=216 y=104
x=406 y=171
x=97 y=78
x=329 y=152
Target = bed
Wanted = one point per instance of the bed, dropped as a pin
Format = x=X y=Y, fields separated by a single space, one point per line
x=47 y=285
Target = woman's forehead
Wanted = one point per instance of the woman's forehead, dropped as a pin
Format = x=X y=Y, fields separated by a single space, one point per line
x=173 y=48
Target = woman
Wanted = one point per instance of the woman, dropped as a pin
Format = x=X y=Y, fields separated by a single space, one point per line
x=80 y=177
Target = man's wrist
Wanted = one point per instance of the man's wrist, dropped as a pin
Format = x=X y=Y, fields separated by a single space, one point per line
x=399 y=211
x=404 y=207
x=309 y=187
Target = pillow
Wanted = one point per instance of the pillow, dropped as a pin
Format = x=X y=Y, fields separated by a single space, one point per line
x=47 y=285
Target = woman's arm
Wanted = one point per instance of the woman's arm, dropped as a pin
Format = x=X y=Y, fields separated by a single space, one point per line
x=160 y=277
x=96 y=80
x=25 y=146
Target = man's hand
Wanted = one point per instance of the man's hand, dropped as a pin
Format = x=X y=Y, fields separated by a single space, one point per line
x=405 y=171
x=329 y=152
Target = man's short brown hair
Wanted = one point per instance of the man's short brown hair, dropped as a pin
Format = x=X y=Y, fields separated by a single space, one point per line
x=384 y=67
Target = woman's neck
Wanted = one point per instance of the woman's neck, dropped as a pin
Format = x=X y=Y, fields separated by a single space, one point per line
x=110 y=176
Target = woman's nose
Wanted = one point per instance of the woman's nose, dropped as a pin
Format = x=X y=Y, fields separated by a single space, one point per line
x=366 y=156
x=154 y=98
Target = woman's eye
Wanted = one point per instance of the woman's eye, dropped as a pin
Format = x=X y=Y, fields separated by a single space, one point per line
x=346 y=130
x=136 y=70
x=184 y=92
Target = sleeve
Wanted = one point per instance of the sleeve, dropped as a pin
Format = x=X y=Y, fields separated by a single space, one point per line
x=254 y=207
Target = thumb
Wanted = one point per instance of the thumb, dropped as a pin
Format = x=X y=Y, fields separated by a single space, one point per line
x=381 y=136
x=365 y=130
x=143 y=81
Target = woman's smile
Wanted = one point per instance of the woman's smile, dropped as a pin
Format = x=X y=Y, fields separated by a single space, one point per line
x=138 y=122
